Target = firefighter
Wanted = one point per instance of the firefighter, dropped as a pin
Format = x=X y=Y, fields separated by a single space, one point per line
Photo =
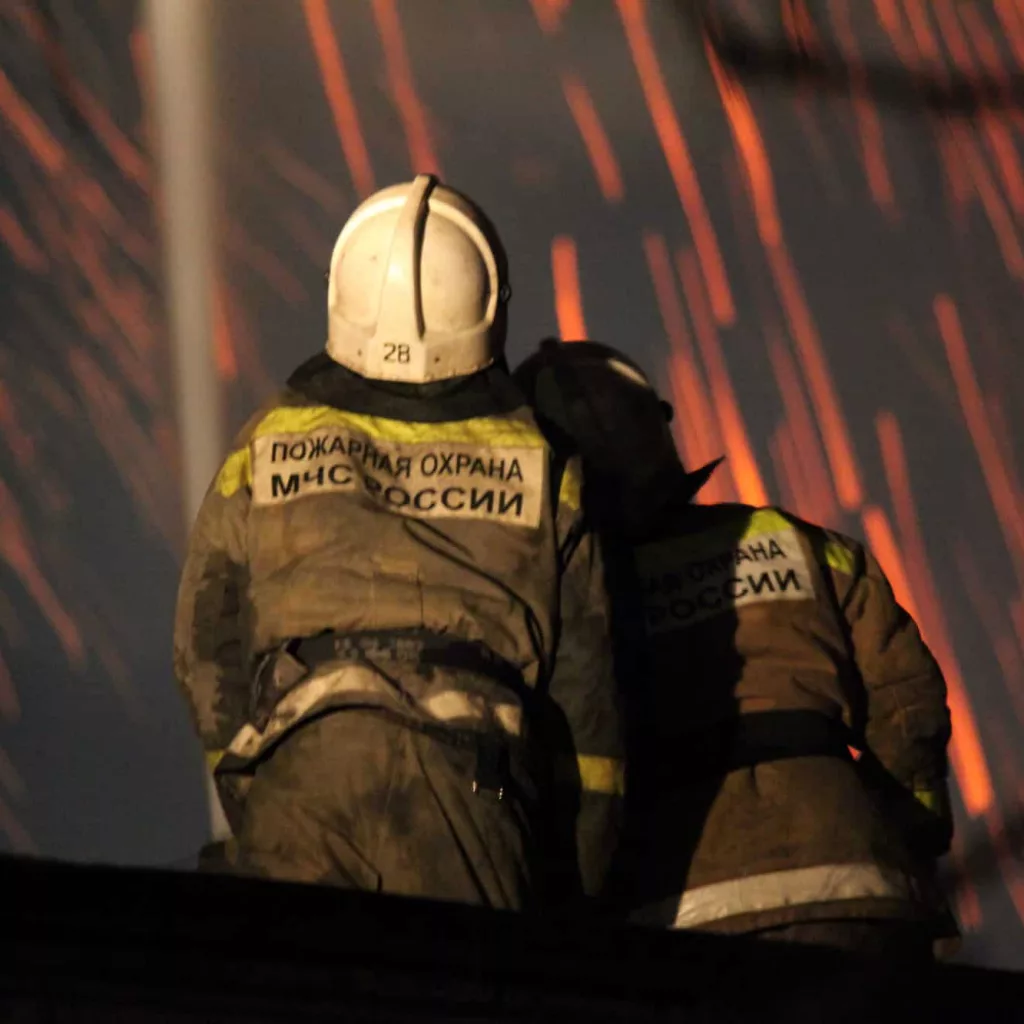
x=391 y=617
x=760 y=655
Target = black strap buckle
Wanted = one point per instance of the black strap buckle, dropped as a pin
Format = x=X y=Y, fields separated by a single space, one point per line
x=492 y=769
x=278 y=672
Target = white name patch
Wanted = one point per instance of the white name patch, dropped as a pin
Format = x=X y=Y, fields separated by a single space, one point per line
x=429 y=480
x=682 y=587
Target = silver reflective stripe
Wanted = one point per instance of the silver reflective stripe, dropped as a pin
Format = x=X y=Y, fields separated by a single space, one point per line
x=450 y=705
x=509 y=717
x=774 y=890
x=444 y=706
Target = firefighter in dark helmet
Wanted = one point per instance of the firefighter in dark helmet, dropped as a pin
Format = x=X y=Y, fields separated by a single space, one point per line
x=755 y=650
x=389 y=594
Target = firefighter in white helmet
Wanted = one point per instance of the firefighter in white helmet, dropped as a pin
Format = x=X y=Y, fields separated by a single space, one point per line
x=756 y=650
x=390 y=607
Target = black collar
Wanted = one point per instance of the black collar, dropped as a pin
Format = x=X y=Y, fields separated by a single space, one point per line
x=490 y=392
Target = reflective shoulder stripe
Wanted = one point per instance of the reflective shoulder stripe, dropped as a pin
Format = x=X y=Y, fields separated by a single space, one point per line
x=498 y=431
x=775 y=890
x=766 y=520
x=235 y=474
x=932 y=800
x=737 y=529
x=492 y=430
x=602 y=775
x=569 y=488
x=839 y=557
x=831 y=551
x=214 y=758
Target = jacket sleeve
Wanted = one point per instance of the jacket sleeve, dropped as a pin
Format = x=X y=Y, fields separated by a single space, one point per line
x=582 y=686
x=907 y=723
x=210 y=634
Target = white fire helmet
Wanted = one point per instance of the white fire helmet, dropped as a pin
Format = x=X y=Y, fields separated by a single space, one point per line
x=418 y=286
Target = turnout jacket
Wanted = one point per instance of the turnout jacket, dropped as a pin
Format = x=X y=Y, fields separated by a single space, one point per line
x=356 y=508
x=762 y=648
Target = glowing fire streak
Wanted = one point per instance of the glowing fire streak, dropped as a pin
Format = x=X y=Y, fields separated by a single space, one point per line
x=568 y=298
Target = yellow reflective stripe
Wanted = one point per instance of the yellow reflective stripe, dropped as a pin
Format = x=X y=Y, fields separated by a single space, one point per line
x=569 y=489
x=213 y=758
x=839 y=557
x=492 y=430
x=731 y=533
x=235 y=474
x=602 y=774
x=765 y=520
x=932 y=800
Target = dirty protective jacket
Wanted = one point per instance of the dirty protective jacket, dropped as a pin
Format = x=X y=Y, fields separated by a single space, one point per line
x=762 y=646
x=367 y=510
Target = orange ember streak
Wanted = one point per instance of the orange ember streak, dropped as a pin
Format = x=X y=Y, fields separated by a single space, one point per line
x=403 y=92
x=751 y=149
x=953 y=34
x=990 y=615
x=1000 y=141
x=787 y=470
x=19 y=441
x=734 y=431
x=834 y=432
x=677 y=155
x=303 y=178
x=957 y=174
x=339 y=95
x=1006 y=858
x=882 y=542
x=599 y=149
x=754 y=155
x=995 y=208
x=998 y=479
x=265 y=263
x=966 y=752
x=16 y=551
x=10 y=707
x=9 y=777
x=127 y=157
x=1017 y=616
x=928 y=44
x=22 y=248
x=138 y=44
x=814 y=470
x=1012 y=667
x=130 y=161
x=889 y=17
x=869 y=125
x=1012 y=20
x=968 y=906
x=568 y=298
x=799 y=27
x=227 y=361
x=1004 y=152
x=820 y=149
x=695 y=427
x=20 y=840
x=806 y=32
x=46 y=150
x=984 y=43
x=549 y=13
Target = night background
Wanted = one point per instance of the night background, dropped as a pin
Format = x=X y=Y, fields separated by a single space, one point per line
x=805 y=217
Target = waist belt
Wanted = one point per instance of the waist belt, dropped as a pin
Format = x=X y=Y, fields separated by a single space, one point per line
x=284 y=669
x=292 y=663
x=748 y=740
x=420 y=647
